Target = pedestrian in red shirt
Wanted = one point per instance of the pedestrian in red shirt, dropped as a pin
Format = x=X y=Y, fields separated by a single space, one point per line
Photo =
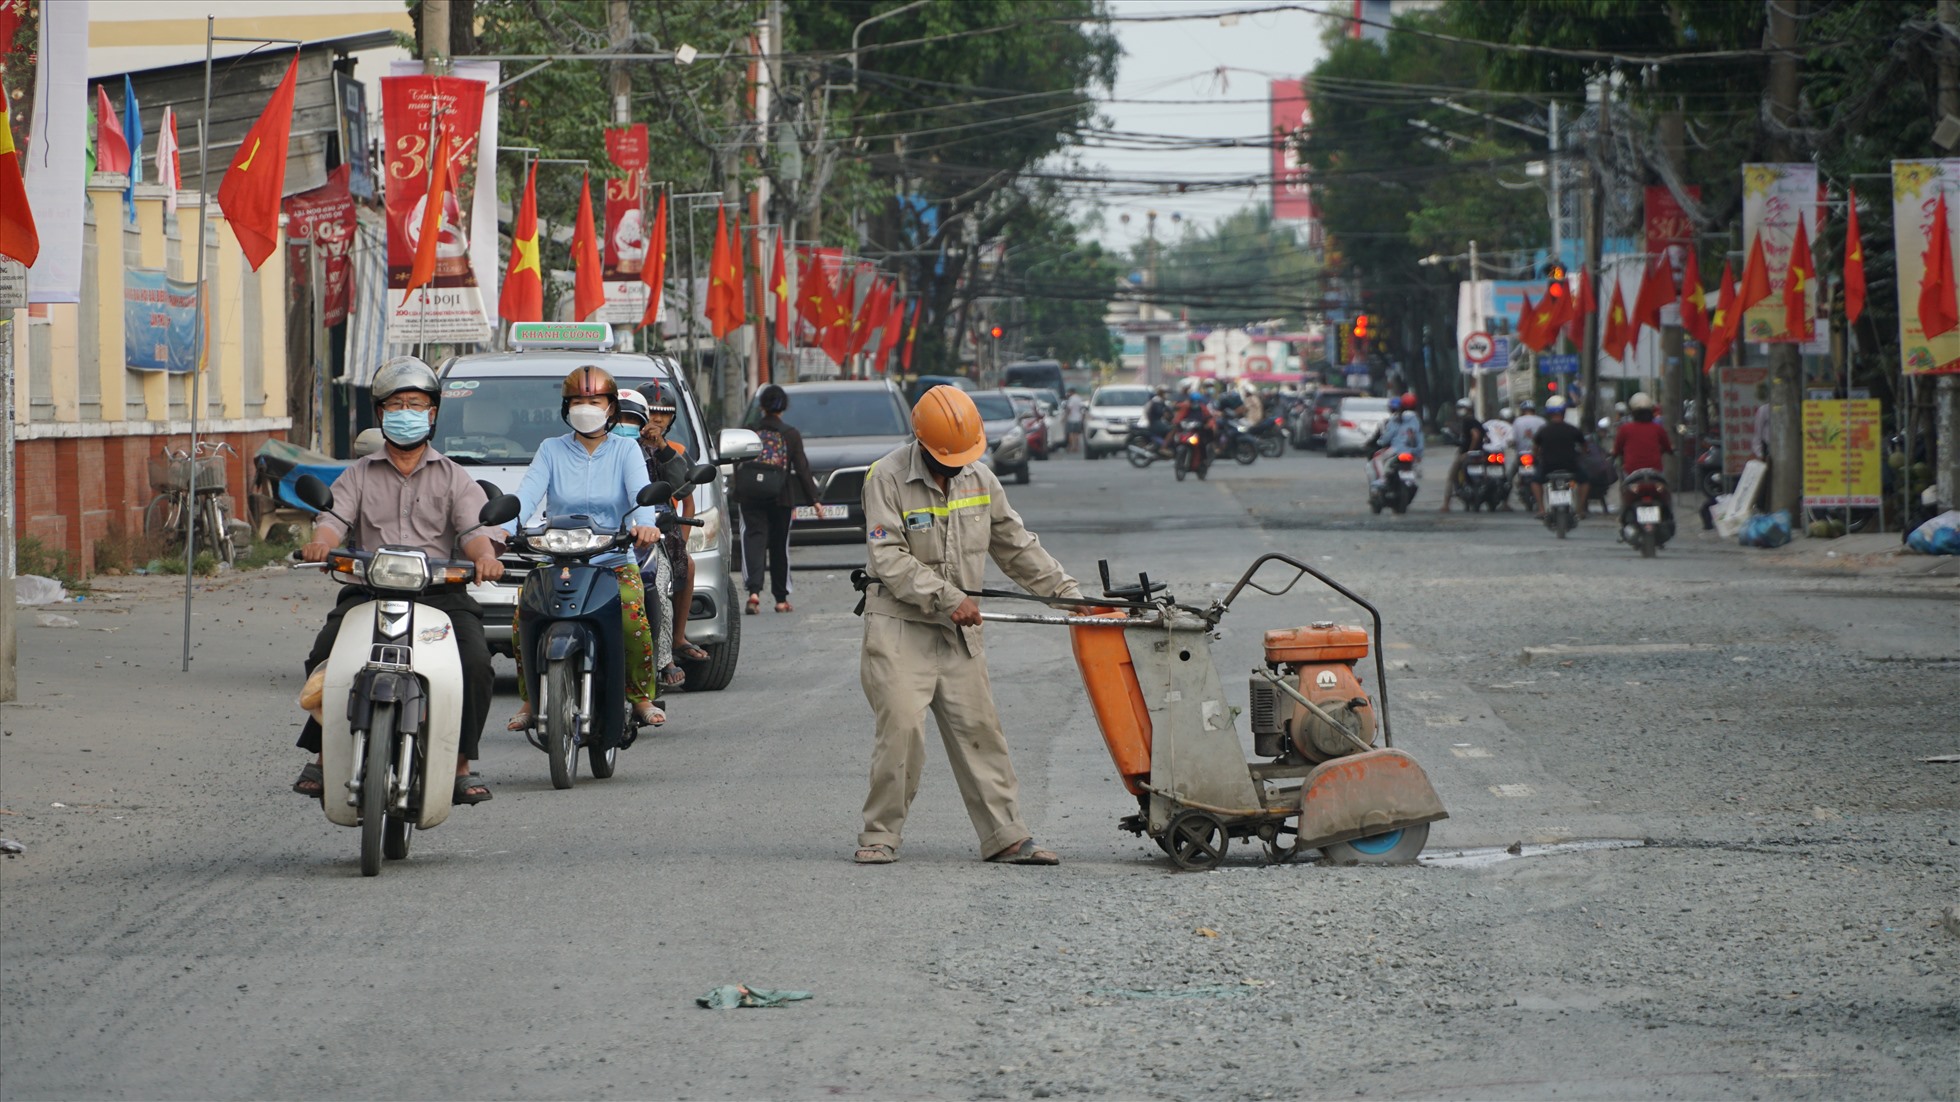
x=1640 y=443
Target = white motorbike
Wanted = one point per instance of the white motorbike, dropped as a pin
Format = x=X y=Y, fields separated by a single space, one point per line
x=387 y=753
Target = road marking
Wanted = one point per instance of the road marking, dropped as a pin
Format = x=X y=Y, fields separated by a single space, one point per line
x=1470 y=751
x=1512 y=791
x=1526 y=656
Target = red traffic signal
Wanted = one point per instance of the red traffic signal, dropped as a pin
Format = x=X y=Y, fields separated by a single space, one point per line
x=1362 y=322
x=995 y=332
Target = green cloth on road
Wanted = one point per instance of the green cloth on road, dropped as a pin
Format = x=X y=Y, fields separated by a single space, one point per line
x=735 y=996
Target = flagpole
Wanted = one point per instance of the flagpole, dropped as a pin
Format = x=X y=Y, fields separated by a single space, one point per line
x=203 y=328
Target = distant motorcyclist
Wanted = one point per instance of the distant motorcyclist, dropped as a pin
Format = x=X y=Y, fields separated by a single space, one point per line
x=1157 y=416
x=1255 y=406
x=1556 y=447
x=1402 y=432
x=1641 y=443
x=1469 y=445
x=1527 y=425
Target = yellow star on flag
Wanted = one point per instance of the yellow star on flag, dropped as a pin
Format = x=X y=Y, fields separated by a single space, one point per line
x=527 y=256
x=1619 y=315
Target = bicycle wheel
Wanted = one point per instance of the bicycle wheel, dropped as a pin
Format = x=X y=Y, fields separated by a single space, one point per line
x=217 y=533
x=159 y=516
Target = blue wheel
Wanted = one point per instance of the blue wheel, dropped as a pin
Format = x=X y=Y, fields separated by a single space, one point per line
x=1380 y=843
x=1395 y=847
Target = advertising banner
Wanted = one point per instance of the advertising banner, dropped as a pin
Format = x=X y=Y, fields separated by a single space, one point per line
x=1742 y=390
x=450 y=308
x=1669 y=230
x=159 y=322
x=624 y=246
x=323 y=217
x=1841 y=452
x=53 y=143
x=1291 y=115
x=1774 y=198
x=1916 y=188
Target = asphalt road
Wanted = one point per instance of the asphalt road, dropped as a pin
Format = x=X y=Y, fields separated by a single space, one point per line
x=1730 y=881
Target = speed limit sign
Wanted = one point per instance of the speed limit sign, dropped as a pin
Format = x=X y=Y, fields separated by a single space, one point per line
x=1478 y=348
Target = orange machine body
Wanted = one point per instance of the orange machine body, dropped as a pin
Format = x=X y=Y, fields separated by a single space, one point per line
x=1103 y=656
x=1322 y=658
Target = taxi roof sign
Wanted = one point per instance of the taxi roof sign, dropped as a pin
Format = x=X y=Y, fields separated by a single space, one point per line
x=590 y=336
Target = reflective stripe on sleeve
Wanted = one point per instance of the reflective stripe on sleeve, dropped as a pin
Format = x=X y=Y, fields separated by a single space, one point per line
x=974 y=502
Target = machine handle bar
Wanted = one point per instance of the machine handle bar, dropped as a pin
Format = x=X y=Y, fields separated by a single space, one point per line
x=1072 y=621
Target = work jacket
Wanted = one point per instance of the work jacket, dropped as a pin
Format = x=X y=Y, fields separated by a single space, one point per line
x=924 y=545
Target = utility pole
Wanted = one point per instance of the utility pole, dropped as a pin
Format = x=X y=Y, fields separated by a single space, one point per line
x=1674 y=144
x=1947 y=392
x=766 y=72
x=435 y=36
x=1785 y=360
x=1593 y=204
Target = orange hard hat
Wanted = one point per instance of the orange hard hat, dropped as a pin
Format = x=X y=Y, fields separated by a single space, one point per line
x=948 y=425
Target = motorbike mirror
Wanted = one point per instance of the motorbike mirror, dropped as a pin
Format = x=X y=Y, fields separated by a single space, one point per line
x=701 y=475
x=491 y=491
x=501 y=509
x=654 y=493
x=313 y=492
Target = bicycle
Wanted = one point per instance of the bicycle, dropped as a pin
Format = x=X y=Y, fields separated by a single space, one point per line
x=210 y=516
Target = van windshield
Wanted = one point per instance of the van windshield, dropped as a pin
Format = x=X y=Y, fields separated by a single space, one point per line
x=501 y=420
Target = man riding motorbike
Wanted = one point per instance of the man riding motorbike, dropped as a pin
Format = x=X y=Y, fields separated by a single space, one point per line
x=1195 y=408
x=1157 y=416
x=1469 y=445
x=1555 y=447
x=1640 y=444
x=1402 y=432
x=410 y=495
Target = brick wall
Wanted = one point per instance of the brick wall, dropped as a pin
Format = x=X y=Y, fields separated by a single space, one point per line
x=73 y=492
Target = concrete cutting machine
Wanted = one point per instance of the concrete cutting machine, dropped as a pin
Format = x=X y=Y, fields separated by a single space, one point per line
x=1322 y=782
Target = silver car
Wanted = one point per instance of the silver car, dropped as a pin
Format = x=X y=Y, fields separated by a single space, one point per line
x=1113 y=410
x=497 y=407
x=1007 y=442
x=1353 y=423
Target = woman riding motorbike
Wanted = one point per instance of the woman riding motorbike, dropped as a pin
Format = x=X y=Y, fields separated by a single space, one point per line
x=589 y=471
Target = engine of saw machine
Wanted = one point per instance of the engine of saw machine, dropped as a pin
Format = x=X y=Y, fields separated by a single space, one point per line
x=1318 y=660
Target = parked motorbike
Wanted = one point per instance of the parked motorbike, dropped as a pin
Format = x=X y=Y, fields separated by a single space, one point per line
x=392 y=745
x=1710 y=477
x=1270 y=435
x=1234 y=441
x=1143 y=449
x=1189 y=455
x=1647 y=518
x=574 y=639
x=1558 y=502
x=1396 y=487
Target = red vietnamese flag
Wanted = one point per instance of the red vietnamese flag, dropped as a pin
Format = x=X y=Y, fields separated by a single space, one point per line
x=1694 y=304
x=876 y=305
x=111 y=146
x=1527 y=327
x=1755 y=283
x=811 y=287
x=653 y=273
x=255 y=183
x=1616 y=334
x=888 y=332
x=588 y=270
x=1656 y=288
x=424 y=267
x=837 y=328
x=912 y=333
x=1937 y=312
x=1584 y=303
x=779 y=287
x=523 y=295
x=1796 y=285
x=1550 y=315
x=1723 y=325
x=738 y=273
x=724 y=312
x=1854 y=265
x=18 y=237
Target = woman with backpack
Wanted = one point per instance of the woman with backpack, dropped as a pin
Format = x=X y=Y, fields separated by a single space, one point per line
x=762 y=485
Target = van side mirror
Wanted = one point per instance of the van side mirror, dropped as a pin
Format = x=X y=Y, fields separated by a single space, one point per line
x=735 y=445
x=309 y=489
x=655 y=493
x=701 y=475
x=501 y=509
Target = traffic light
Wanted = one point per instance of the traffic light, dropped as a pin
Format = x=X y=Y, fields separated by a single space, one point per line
x=995 y=332
x=1362 y=324
x=1552 y=386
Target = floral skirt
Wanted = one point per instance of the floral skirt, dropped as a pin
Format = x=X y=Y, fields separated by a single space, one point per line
x=640 y=684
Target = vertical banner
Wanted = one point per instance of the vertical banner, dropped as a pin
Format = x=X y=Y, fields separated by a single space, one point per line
x=53 y=148
x=324 y=217
x=450 y=310
x=1742 y=389
x=1774 y=198
x=1670 y=231
x=1916 y=188
x=1841 y=453
x=624 y=246
x=159 y=322
x=1291 y=116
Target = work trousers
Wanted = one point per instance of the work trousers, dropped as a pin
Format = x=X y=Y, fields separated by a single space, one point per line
x=765 y=534
x=906 y=668
x=478 y=679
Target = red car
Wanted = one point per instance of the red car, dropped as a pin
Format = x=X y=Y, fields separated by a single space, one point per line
x=1310 y=431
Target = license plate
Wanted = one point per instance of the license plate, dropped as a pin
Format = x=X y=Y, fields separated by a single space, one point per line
x=1561 y=497
x=1407 y=476
x=1474 y=472
x=822 y=512
x=1647 y=514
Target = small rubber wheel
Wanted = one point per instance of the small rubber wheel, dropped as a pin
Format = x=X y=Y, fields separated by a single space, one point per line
x=1396 y=847
x=1195 y=840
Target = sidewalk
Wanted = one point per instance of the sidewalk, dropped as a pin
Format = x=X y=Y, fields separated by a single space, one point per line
x=1874 y=553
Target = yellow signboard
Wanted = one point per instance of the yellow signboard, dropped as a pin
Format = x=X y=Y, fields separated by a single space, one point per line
x=1841 y=454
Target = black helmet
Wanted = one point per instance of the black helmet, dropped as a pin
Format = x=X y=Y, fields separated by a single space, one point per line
x=660 y=397
x=772 y=399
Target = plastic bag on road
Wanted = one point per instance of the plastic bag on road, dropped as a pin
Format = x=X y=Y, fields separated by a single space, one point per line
x=32 y=589
x=56 y=620
x=1768 y=530
x=735 y=996
x=1939 y=536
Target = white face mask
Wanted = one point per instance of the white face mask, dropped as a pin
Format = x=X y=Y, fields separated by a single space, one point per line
x=587 y=420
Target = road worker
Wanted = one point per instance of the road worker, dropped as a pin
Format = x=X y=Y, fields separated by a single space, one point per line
x=933 y=515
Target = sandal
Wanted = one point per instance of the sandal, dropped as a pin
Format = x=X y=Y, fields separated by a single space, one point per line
x=755 y=604
x=879 y=854
x=783 y=606
x=311 y=776
x=648 y=714
x=1027 y=853
x=690 y=652
x=522 y=721
x=470 y=789
x=673 y=677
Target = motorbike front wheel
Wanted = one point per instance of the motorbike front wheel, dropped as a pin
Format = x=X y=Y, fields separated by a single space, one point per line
x=1139 y=455
x=374 y=788
x=1182 y=463
x=1272 y=447
x=560 y=687
x=1245 y=451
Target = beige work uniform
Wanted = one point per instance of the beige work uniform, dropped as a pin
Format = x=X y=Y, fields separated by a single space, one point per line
x=924 y=545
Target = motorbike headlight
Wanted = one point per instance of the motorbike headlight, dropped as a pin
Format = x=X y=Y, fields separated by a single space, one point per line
x=571 y=541
x=706 y=536
x=403 y=570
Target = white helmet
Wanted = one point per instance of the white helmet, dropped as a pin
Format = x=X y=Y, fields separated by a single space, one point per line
x=1641 y=400
x=1463 y=403
x=1555 y=404
x=1505 y=413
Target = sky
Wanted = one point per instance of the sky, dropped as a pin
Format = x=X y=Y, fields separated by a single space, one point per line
x=1226 y=69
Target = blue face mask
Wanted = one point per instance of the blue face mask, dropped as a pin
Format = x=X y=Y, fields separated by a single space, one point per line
x=630 y=432
x=405 y=428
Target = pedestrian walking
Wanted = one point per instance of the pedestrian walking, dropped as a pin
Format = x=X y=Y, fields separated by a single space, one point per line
x=763 y=486
x=1074 y=412
x=933 y=517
